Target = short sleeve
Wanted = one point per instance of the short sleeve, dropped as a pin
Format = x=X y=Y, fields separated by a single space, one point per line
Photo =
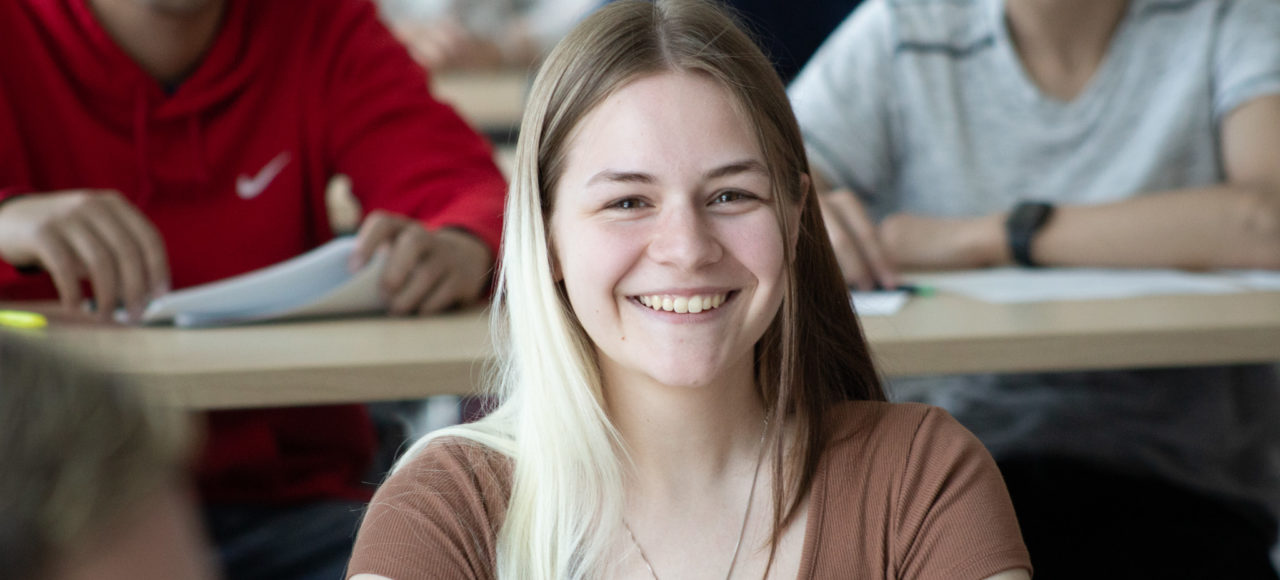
x=954 y=516
x=842 y=102
x=1247 y=54
x=436 y=517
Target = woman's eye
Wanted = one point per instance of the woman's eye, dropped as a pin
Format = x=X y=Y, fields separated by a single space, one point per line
x=730 y=196
x=627 y=203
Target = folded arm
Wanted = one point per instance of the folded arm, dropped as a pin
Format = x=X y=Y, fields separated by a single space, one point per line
x=1232 y=225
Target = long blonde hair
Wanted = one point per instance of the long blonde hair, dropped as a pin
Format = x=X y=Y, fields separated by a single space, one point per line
x=566 y=499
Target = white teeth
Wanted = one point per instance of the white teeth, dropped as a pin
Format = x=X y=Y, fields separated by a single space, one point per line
x=683 y=304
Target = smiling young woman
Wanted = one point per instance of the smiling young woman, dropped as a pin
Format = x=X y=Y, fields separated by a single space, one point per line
x=685 y=390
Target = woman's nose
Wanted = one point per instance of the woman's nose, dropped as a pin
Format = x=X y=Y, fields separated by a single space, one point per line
x=683 y=238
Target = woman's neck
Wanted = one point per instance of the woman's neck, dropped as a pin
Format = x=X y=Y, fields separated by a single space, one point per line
x=684 y=438
x=1062 y=42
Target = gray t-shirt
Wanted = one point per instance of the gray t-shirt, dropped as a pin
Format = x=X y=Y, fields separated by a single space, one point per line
x=923 y=106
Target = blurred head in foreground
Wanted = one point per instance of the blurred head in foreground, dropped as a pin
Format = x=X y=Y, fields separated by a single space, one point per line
x=93 y=484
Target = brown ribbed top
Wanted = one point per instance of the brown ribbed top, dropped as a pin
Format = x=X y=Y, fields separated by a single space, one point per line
x=902 y=491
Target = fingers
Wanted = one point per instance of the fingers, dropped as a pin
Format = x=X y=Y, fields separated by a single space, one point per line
x=421 y=275
x=121 y=251
x=124 y=256
x=89 y=233
x=842 y=244
x=98 y=262
x=60 y=261
x=854 y=239
x=430 y=271
x=379 y=229
x=425 y=271
x=408 y=253
x=429 y=289
x=873 y=255
x=155 y=260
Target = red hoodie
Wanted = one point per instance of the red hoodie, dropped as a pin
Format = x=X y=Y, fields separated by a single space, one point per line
x=308 y=88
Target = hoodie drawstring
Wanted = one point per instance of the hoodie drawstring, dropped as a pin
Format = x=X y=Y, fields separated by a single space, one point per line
x=140 y=145
x=193 y=124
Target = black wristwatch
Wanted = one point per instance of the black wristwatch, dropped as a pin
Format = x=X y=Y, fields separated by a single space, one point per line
x=1023 y=223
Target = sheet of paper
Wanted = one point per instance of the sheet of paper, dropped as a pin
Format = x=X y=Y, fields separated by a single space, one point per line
x=1012 y=285
x=880 y=303
x=312 y=284
x=357 y=295
x=1257 y=279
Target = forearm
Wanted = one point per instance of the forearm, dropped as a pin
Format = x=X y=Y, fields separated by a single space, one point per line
x=1194 y=229
x=1235 y=225
x=1205 y=228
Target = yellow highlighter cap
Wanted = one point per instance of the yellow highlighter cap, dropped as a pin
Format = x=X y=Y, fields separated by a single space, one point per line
x=22 y=319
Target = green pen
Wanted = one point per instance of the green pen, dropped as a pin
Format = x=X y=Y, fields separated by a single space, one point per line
x=912 y=289
x=916 y=290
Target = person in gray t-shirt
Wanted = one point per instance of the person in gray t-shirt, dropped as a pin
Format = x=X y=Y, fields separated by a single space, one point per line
x=1129 y=134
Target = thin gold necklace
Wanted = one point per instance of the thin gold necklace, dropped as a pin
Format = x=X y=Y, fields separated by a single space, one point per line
x=745 y=516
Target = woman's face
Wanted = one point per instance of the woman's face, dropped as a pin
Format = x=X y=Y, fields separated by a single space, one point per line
x=665 y=233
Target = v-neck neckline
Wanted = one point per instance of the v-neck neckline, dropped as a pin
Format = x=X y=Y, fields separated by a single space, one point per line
x=1019 y=83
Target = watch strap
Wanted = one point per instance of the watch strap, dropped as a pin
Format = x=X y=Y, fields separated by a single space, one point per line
x=1024 y=222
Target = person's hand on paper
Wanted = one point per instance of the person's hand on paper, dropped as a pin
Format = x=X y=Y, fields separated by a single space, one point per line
x=916 y=242
x=426 y=270
x=96 y=234
x=856 y=241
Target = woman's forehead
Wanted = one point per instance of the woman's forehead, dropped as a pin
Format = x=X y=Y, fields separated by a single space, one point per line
x=669 y=122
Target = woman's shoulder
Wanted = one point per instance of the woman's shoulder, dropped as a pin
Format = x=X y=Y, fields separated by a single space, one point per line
x=449 y=457
x=456 y=474
x=892 y=424
x=898 y=476
x=439 y=510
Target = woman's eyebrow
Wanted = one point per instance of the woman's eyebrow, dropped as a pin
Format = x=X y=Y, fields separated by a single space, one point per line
x=737 y=167
x=615 y=176
x=734 y=168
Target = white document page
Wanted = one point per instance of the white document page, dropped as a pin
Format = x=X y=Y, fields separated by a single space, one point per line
x=1257 y=279
x=879 y=303
x=1012 y=285
x=315 y=283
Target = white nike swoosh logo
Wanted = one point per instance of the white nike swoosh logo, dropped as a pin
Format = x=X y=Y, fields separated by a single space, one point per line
x=250 y=187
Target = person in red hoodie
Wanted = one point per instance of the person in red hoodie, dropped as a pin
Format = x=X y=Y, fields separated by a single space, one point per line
x=156 y=144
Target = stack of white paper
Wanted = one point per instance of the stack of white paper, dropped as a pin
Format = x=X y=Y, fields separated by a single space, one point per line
x=317 y=283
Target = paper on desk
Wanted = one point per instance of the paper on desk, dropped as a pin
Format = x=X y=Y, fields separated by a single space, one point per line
x=1257 y=279
x=313 y=284
x=1011 y=285
x=879 y=303
x=358 y=294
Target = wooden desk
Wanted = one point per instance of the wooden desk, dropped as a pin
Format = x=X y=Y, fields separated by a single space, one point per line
x=384 y=359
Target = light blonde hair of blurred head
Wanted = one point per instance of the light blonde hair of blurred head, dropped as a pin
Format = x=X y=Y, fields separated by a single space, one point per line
x=566 y=500
x=77 y=451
